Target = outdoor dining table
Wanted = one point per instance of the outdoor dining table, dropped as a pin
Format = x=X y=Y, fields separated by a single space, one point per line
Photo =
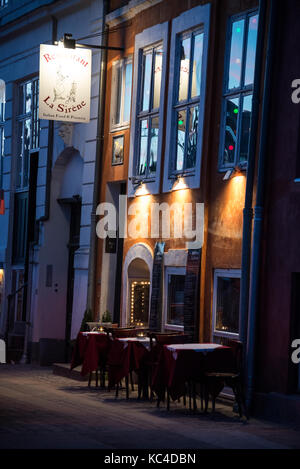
x=181 y=363
x=90 y=351
x=126 y=355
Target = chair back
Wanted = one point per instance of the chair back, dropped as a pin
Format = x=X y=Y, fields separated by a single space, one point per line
x=237 y=351
x=124 y=332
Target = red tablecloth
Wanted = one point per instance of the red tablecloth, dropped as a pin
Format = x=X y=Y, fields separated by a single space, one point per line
x=180 y=365
x=125 y=356
x=91 y=350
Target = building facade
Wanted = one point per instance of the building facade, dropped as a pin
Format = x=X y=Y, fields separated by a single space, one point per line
x=47 y=177
x=195 y=77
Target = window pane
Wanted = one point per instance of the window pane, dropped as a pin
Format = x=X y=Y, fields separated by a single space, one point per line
x=185 y=49
x=232 y=112
x=251 y=48
x=143 y=147
x=245 y=129
x=153 y=144
x=157 y=78
x=118 y=93
x=175 y=299
x=192 y=138
x=236 y=52
x=181 y=125
x=139 y=302
x=197 y=65
x=227 y=308
x=28 y=97
x=147 y=80
x=127 y=91
x=26 y=148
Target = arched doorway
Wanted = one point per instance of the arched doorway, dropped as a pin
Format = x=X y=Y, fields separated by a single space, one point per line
x=137 y=268
x=138 y=291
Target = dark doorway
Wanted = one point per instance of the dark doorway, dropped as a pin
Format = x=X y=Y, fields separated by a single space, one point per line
x=118 y=279
x=74 y=205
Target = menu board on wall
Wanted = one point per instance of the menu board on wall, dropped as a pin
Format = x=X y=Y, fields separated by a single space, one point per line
x=192 y=294
x=156 y=291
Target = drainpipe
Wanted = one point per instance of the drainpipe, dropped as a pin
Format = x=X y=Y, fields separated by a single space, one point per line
x=248 y=211
x=98 y=166
x=46 y=215
x=259 y=208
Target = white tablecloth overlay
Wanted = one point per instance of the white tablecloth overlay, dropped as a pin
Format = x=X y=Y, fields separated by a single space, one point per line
x=203 y=348
x=145 y=341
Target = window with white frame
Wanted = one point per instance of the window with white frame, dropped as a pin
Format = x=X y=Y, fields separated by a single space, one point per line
x=186 y=101
x=238 y=90
x=148 y=112
x=226 y=303
x=27 y=129
x=186 y=105
x=147 y=108
x=174 y=297
x=121 y=93
x=2 y=118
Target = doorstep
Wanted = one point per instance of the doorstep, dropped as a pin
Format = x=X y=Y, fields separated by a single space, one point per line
x=63 y=369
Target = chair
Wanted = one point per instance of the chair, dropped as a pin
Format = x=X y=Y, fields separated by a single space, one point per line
x=157 y=341
x=122 y=332
x=214 y=381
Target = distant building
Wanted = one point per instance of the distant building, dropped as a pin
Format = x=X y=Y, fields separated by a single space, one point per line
x=47 y=175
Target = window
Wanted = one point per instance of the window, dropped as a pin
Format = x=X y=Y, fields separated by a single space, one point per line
x=139 y=302
x=148 y=114
x=226 y=303
x=2 y=117
x=186 y=101
x=3 y=3
x=121 y=93
x=147 y=109
x=27 y=129
x=238 y=90
x=174 y=282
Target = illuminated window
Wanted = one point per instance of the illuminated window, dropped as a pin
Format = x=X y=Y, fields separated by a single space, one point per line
x=150 y=63
x=238 y=90
x=121 y=93
x=226 y=303
x=148 y=114
x=139 y=302
x=186 y=97
x=27 y=129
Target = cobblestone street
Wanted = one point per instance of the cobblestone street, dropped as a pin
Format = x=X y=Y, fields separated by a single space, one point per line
x=42 y=410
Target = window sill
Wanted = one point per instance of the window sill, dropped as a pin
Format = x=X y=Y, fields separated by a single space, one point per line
x=173 y=327
x=119 y=128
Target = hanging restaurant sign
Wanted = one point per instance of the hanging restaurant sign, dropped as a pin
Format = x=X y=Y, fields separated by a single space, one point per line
x=65 y=84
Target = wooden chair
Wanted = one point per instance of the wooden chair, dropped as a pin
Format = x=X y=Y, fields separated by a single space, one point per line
x=214 y=381
x=157 y=341
x=122 y=332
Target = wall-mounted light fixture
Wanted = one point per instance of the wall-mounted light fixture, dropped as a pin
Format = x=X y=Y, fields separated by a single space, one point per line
x=179 y=184
x=69 y=42
x=233 y=172
x=141 y=189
